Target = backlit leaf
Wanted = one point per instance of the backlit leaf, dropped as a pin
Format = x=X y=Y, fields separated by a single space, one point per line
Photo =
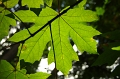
x=33 y=47
x=116 y=48
x=48 y=2
x=33 y=3
x=71 y=25
x=20 y=36
x=26 y=16
x=39 y=75
x=10 y=3
x=7 y=71
x=5 y=22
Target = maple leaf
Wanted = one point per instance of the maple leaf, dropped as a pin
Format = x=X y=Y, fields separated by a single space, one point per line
x=7 y=71
x=71 y=25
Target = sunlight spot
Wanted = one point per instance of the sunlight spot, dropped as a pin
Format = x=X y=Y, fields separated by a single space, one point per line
x=60 y=73
x=17 y=6
x=79 y=53
x=84 y=66
x=2 y=41
x=18 y=25
x=51 y=66
x=12 y=9
x=49 y=48
x=44 y=67
x=76 y=76
x=12 y=30
x=71 y=77
x=75 y=48
x=113 y=66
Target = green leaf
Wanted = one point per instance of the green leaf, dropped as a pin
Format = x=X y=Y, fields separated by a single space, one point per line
x=1 y=9
x=10 y=3
x=82 y=4
x=39 y=75
x=48 y=2
x=63 y=49
x=7 y=71
x=116 y=48
x=26 y=16
x=33 y=48
x=19 y=36
x=71 y=25
x=5 y=22
x=77 y=15
x=33 y=3
x=82 y=35
x=5 y=66
x=46 y=15
x=100 y=10
x=105 y=57
x=114 y=35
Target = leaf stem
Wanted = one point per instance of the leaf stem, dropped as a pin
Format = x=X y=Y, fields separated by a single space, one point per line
x=58 y=6
x=53 y=51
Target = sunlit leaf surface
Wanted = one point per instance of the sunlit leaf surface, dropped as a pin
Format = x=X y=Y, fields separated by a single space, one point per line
x=71 y=25
x=7 y=71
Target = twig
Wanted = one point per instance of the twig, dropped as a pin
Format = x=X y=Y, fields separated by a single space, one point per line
x=53 y=51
